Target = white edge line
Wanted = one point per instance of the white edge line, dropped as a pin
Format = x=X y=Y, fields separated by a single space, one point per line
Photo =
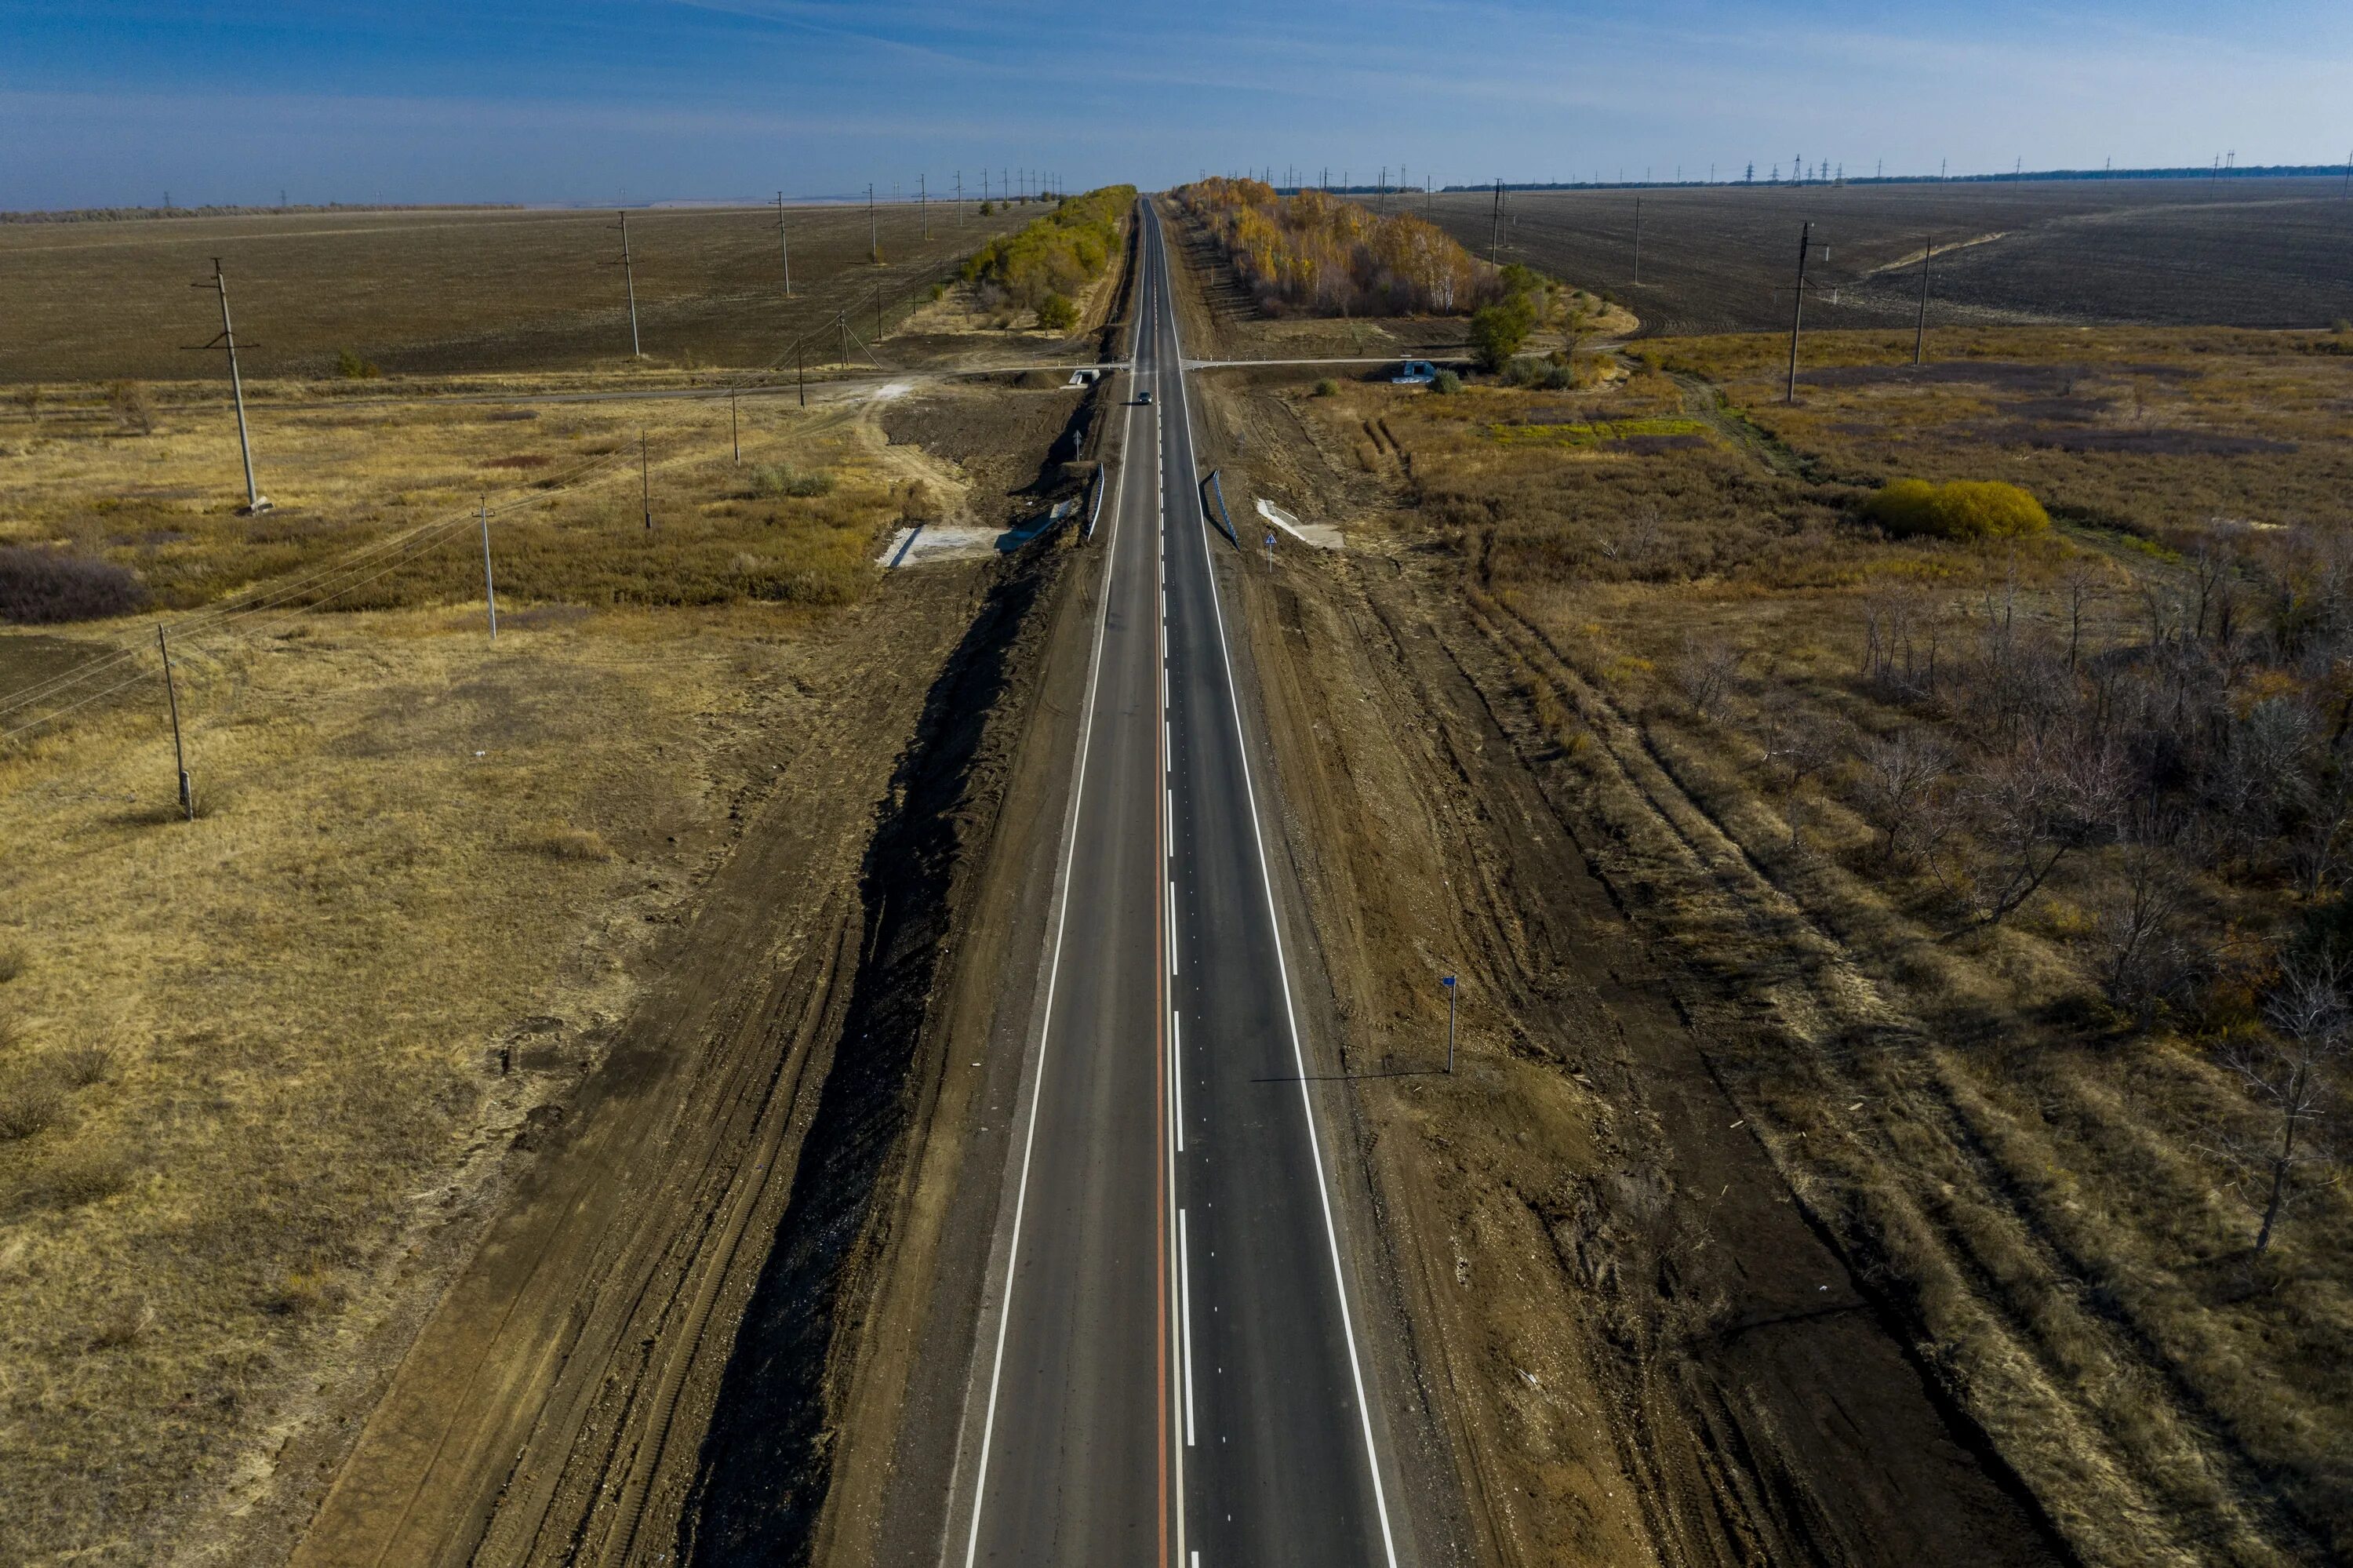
x=1053 y=974
x=1290 y=1017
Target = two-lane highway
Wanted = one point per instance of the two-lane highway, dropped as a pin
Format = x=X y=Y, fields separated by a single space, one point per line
x=1169 y=1370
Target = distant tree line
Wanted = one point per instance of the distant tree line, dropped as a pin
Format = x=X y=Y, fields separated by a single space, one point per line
x=123 y=213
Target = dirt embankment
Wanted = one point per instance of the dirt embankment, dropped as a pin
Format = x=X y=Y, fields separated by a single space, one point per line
x=647 y=1351
x=763 y=1475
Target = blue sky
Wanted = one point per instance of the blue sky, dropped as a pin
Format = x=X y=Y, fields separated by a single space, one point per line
x=105 y=102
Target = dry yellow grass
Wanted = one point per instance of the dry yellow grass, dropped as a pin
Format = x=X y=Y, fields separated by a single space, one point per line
x=2031 y=1179
x=250 y=1064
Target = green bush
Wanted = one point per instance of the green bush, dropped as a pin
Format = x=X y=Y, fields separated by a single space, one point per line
x=1963 y=509
x=1056 y=313
x=1446 y=383
x=1327 y=387
x=1498 y=329
x=352 y=367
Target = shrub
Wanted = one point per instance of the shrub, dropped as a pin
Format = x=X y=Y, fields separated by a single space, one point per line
x=773 y=480
x=352 y=367
x=83 y=1065
x=12 y=964
x=1056 y=313
x=561 y=843
x=129 y=403
x=1498 y=329
x=40 y=588
x=1963 y=509
x=939 y=292
x=1446 y=383
x=1327 y=387
x=31 y=1100
x=86 y=1175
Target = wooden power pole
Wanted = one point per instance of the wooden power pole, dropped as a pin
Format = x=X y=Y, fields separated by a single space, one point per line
x=1797 y=308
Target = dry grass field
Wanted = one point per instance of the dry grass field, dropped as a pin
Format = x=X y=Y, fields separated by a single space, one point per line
x=2255 y=253
x=451 y=292
x=2007 y=881
x=257 y=1069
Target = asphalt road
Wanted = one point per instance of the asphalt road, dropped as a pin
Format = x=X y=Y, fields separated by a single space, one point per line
x=1169 y=1371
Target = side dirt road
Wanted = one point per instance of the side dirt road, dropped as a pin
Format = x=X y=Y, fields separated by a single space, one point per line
x=1642 y=1346
x=699 y=1231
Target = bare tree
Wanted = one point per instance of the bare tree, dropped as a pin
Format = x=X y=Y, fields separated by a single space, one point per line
x=2318 y=845
x=1899 y=774
x=2138 y=925
x=131 y=406
x=2032 y=805
x=1704 y=673
x=1644 y=524
x=2082 y=586
x=2286 y=1072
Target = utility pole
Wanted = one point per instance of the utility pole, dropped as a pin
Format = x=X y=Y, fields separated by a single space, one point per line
x=1638 y=242
x=873 y=241
x=878 y=313
x=959 y=200
x=1496 y=222
x=841 y=319
x=630 y=276
x=1797 y=309
x=924 y=207
x=784 y=244
x=1448 y=984
x=645 y=481
x=179 y=756
x=734 y=429
x=255 y=501
x=490 y=587
x=1920 y=333
x=800 y=370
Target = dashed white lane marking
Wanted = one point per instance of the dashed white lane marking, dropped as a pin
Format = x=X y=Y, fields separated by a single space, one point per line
x=1298 y=1053
x=1184 y=1293
x=1176 y=1071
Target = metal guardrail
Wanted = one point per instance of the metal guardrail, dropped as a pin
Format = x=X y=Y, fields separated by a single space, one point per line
x=1210 y=489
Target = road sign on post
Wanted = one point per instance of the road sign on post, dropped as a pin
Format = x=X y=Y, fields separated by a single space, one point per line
x=1448 y=984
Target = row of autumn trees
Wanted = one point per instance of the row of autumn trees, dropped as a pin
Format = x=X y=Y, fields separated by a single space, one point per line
x=1047 y=263
x=1318 y=255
